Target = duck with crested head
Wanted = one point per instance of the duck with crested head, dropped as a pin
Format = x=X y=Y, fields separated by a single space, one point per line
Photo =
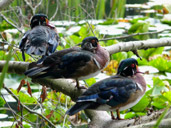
x=77 y=63
x=41 y=40
x=119 y=92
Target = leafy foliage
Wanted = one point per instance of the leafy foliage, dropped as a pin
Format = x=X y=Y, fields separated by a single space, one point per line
x=139 y=27
x=161 y=64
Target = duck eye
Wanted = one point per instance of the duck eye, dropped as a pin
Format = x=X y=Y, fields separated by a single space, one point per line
x=94 y=43
x=132 y=65
x=42 y=18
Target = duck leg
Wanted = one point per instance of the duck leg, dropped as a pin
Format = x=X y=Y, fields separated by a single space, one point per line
x=78 y=85
x=118 y=114
x=112 y=116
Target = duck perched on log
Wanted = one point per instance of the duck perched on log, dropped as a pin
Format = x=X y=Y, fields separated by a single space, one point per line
x=41 y=40
x=76 y=63
x=119 y=92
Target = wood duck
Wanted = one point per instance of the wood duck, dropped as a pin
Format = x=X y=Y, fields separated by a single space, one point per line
x=41 y=40
x=119 y=92
x=77 y=62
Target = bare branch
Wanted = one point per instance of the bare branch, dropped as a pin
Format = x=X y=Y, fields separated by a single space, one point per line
x=34 y=9
x=28 y=109
x=5 y=3
x=134 y=45
x=30 y=5
x=15 y=26
x=57 y=2
x=135 y=34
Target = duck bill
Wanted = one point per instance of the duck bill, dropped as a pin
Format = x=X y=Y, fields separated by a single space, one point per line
x=48 y=24
x=138 y=71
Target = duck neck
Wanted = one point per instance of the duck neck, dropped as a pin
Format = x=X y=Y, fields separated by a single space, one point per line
x=138 y=78
x=102 y=56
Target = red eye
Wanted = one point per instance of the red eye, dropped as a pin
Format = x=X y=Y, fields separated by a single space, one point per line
x=93 y=41
x=42 y=18
x=132 y=65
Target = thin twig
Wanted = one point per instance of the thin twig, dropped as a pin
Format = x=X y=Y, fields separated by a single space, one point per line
x=30 y=5
x=135 y=34
x=15 y=26
x=55 y=11
x=13 y=112
x=34 y=9
x=28 y=109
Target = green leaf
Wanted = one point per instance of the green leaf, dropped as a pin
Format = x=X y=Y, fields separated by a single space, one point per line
x=119 y=56
x=161 y=117
x=24 y=98
x=5 y=68
x=109 y=22
x=142 y=104
x=133 y=21
x=159 y=102
x=2 y=102
x=167 y=95
x=161 y=64
x=150 y=52
x=87 y=30
x=158 y=86
x=129 y=115
x=143 y=61
x=134 y=114
x=90 y=81
x=139 y=27
x=166 y=22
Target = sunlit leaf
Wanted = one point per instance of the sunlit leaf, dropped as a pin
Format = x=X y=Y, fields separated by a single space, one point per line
x=161 y=64
x=5 y=67
x=90 y=81
x=129 y=115
x=111 y=68
x=24 y=98
x=119 y=56
x=142 y=62
x=2 y=102
x=142 y=104
x=158 y=86
x=109 y=22
x=167 y=95
x=159 y=102
x=139 y=27
x=133 y=21
x=150 y=52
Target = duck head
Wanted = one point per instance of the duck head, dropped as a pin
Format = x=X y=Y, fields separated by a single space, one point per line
x=40 y=19
x=128 y=67
x=90 y=43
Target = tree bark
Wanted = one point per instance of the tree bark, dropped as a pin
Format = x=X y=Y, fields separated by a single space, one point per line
x=5 y=3
x=99 y=119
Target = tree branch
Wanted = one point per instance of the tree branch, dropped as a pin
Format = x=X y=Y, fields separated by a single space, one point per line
x=57 y=2
x=5 y=3
x=135 y=34
x=133 y=45
x=15 y=26
x=98 y=118
x=25 y=107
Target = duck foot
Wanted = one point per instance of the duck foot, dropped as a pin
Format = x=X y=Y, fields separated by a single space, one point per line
x=78 y=85
x=112 y=115
x=118 y=115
